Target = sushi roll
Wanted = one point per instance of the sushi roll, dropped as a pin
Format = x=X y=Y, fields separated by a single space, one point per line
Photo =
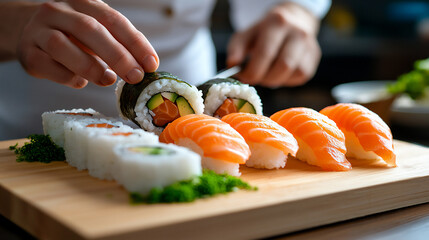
x=224 y=96
x=367 y=135
x=157 y=100
x=77 y=137
x=321 y=142
x=100 y=155
x=270 y=144
x=141 y=167
x=220 y=146
x=53 y=122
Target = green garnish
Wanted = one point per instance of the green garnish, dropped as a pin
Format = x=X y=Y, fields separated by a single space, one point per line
x=152 y=150
x=206 y=185
x=41 y=148
x=414 y=82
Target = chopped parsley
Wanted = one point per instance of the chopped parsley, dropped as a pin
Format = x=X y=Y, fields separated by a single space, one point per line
x=41 y=148
x=206 y=185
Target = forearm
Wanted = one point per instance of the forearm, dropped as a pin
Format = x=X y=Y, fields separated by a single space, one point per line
x=13 y=18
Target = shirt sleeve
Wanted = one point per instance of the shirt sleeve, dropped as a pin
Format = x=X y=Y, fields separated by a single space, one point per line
x=245 y=13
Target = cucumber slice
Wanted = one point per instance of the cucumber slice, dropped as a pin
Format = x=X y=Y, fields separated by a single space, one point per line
x=247 y=108
x=154 y=101
x=184 y=107
x=170 y=96
x=238 y=102
x=151 y=150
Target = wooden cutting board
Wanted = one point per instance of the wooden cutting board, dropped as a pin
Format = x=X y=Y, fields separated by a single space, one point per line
x=56 y=201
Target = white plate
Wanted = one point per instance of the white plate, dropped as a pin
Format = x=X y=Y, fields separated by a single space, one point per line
x=404 y=110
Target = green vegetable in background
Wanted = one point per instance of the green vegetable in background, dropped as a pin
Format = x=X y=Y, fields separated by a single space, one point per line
x=208 y=184
x=414 y=82
x=41 y=148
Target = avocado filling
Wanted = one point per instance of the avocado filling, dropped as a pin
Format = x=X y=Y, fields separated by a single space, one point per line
x=165 y=107
x=232 y=105
x=151 y=150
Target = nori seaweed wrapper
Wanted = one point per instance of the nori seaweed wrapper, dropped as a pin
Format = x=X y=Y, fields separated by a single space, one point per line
x=205 y=87
x=131 y=92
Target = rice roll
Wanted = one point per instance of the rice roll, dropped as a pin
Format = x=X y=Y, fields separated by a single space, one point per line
x=141 y=167
x=53 y=122
x=224 y=96
x=157 y=100
x=100 y=155
x=77 y=135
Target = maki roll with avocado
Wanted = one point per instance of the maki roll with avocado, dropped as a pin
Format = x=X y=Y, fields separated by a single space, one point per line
x=157 y=100
x=141 y=167
x=225 y=96
x=78 y=134
x=53 y=122
x=100 y=155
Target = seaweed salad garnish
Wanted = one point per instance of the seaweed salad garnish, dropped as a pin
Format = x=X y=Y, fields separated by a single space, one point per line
x=206 y=185
x=41 y=148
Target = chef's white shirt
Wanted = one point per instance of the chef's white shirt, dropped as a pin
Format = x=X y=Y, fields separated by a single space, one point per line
x=178 y=30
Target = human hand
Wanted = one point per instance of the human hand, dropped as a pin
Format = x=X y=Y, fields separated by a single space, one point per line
x=75 y=41
x=282 y=48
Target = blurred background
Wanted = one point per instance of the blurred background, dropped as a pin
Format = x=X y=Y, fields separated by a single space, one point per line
x=360 y=41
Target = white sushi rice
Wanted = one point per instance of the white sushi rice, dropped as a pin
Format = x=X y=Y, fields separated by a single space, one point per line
x=100 y=154
x=305 y=153
x=355 y=149
x=144 y=115
x=118 y=92
x=218 y=93
x=217 y=165
x=53 y=122
x=265 y=156
x=77 y=137
x=139 y=172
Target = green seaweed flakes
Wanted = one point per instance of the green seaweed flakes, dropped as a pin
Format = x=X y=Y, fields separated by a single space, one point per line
x=206 y=185
x=41 y=148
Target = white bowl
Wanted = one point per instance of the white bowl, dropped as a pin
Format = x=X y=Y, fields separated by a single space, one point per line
x=403 y=110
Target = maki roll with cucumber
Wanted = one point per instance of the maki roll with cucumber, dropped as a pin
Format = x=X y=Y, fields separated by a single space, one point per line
x=141 y=167
x=225 y=96
x=157 y=100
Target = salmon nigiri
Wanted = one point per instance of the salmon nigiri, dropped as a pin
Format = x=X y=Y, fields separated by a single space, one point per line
x=320 y=141
x=367 y=135
x=221 y=147
x=270 y=143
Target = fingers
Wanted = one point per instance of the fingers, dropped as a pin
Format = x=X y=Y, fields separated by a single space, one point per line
x=269 y=40
x=300 y=67
x=122 y=30
x=286 y=63
x=62 y=50
x=96 y=37
x=39 y=64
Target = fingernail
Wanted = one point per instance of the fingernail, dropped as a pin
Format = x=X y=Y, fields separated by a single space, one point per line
x=150 y=64
x=135 y=75
x=109 y=77
x=80 y=82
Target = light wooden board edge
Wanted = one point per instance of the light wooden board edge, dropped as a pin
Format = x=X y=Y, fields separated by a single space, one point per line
x=283 y=218
x=290 y=217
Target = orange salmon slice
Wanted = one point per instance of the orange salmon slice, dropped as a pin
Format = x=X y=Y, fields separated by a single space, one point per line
x=165 y=113
x=101 y=125
x=226 y=108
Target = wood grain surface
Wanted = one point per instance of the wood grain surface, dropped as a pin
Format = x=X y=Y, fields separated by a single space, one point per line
x=55 y=201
